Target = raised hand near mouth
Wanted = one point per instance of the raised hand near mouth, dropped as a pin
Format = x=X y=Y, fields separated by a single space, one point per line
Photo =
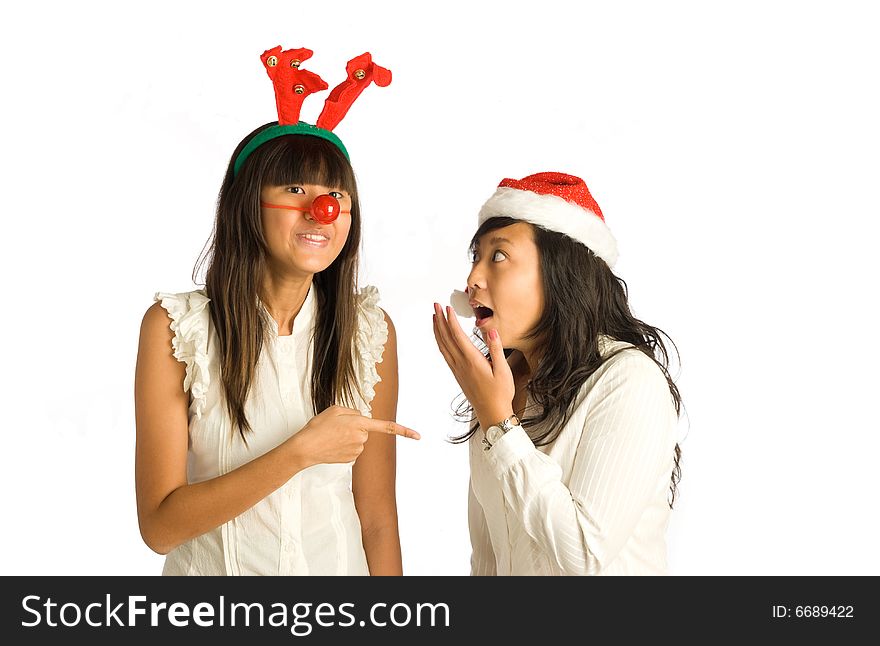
x=487 y=384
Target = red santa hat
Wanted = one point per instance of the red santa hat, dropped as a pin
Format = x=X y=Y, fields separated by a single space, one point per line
x=557 y=202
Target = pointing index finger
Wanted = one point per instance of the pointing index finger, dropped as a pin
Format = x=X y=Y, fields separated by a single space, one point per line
x=392 y=428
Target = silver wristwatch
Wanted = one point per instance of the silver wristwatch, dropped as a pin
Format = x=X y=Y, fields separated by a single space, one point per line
x=494 y=432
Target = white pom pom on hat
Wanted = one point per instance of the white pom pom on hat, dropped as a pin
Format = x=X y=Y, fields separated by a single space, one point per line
x=557 y=202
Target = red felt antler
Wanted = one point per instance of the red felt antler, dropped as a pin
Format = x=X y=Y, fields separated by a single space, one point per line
x=361 y=72
x=292 y=85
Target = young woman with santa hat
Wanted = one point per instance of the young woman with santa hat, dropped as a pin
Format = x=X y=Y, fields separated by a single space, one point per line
x=573 y=452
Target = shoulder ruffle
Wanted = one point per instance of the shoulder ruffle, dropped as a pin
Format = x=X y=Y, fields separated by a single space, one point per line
x=372 y=333
x=189 y=321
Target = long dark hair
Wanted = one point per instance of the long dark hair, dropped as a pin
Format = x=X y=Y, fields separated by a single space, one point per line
x=583 y=300
x=236 y=262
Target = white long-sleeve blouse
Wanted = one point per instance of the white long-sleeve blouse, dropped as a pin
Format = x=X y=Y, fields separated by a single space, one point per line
x=595 y=500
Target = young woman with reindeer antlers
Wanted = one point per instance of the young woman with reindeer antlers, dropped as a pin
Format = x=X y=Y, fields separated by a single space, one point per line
x=265 y=402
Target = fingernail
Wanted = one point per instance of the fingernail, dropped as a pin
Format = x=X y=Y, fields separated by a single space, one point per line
x=493 y=334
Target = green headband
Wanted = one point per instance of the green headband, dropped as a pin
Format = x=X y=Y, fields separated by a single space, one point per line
x=301 y=128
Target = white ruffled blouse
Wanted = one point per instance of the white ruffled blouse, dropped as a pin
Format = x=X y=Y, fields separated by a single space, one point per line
x=309 y=525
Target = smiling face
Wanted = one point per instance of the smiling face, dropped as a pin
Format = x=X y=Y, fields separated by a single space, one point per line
x=504 y=285
x=298 y=245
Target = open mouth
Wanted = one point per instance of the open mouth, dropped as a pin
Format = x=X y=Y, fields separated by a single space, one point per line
x=483 y=314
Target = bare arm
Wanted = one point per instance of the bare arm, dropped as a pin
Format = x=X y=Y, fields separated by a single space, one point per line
x=373 y=475
x=171 y=511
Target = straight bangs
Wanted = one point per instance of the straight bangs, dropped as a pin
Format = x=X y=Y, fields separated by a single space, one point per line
x=303 y=159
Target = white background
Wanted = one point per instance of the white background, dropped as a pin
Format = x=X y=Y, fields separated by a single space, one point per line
x=735 y=151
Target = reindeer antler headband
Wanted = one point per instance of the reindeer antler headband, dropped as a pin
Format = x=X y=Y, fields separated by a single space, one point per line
x=293 y=85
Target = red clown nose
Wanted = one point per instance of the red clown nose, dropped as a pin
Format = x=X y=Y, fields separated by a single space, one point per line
x=325 y=209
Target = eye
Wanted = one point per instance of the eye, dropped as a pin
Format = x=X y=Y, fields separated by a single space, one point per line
x=336 y=194
x=498 y=256
x=299 y=190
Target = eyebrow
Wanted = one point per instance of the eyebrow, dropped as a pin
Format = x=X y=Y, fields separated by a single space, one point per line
x=495 y=239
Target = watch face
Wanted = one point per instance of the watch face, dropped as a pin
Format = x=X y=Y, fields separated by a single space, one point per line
x=494 y=434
